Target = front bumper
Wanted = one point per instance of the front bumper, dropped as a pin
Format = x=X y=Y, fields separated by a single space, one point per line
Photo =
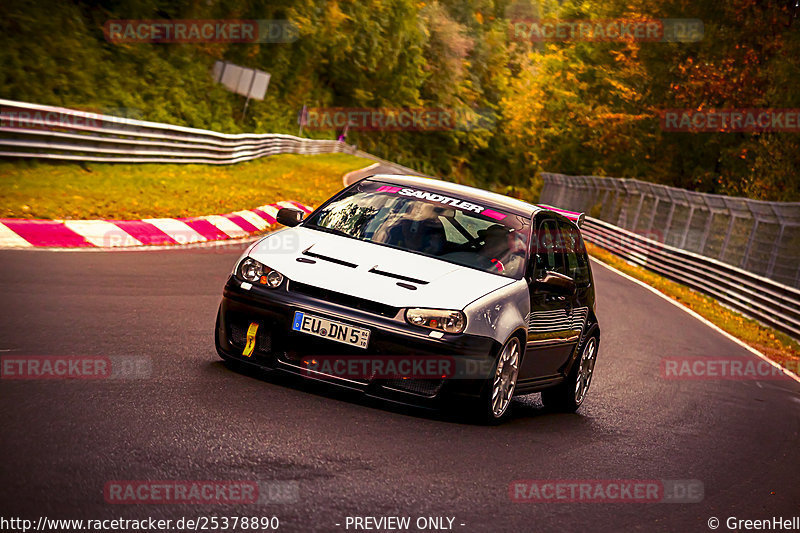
x=279 y=347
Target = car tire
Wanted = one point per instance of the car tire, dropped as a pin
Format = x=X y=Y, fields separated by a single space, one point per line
x=501 y=383
x=569 y=395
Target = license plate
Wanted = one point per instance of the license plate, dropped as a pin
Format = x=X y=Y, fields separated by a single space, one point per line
x=330 y=329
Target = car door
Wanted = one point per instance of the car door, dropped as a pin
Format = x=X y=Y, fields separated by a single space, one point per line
x=577 y=264
x=551 y=337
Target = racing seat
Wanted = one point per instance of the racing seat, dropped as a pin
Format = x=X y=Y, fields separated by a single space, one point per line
x=426 y=235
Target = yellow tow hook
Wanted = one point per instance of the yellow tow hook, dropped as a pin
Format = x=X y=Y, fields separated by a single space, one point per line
x=251 y=340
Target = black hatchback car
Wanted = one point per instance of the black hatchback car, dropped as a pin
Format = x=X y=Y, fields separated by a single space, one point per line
x=418 y=290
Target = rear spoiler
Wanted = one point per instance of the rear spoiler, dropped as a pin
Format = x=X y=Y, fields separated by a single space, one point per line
x=577 y=218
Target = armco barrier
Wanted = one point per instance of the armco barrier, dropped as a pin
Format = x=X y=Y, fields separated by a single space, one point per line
x=47 y=132
x=770 y=302
x=757 y=236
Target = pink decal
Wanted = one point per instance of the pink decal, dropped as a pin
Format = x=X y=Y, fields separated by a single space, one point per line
x=493 y=214
x=572 y=215
x=386 y=188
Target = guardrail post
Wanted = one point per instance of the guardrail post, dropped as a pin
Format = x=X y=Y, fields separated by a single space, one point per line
x=653 y=214
x=724 y=246
x=604 y=201
x=687 y=227
x=590 y=191
x=774 y=251
x=707 y=228
x=669 y=220
x=638 y=211
x=749 y=245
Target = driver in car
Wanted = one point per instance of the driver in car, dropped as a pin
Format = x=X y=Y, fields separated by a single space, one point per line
x=502 y=248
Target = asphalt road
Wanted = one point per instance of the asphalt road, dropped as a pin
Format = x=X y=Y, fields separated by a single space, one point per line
x=195 y=419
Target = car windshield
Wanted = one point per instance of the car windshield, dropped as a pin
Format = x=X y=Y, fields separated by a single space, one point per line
x=456 y=230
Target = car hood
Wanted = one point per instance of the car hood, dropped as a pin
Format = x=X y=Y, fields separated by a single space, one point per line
x=367 y=270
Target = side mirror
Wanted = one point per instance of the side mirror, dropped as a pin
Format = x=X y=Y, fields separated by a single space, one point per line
x=555 y=283
x=289 y=217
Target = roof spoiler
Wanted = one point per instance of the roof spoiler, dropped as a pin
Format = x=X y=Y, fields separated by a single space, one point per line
x=577 y=218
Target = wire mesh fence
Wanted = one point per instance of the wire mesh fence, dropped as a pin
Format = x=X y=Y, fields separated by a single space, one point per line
x=760 y=237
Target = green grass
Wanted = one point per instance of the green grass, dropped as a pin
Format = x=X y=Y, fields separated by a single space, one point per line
x=776 y=345
x=30 y=189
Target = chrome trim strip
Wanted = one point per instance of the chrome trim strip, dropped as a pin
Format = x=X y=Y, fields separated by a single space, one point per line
x=546 y=342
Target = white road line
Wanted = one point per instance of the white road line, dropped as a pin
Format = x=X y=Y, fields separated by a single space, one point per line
x=178 y=231
x=102 y=233
x=9 y=239
x=701 y=319
x=226 y=225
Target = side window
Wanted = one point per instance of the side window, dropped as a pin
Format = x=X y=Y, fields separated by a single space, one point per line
x=574 y=253
x=549 y=256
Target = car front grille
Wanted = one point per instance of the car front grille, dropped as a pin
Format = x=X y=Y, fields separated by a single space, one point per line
x=423 y=387
x=299 y=362
x=344 y=299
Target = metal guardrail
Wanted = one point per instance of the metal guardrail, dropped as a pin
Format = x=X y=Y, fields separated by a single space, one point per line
x=755 y=296
x=48 y=132
x=756 y=236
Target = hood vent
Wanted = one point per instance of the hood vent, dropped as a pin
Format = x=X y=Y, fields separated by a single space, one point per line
x=375 y=270
x=328 y=258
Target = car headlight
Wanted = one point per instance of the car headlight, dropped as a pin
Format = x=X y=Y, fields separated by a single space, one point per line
x=252 y=271
x=439 y=319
